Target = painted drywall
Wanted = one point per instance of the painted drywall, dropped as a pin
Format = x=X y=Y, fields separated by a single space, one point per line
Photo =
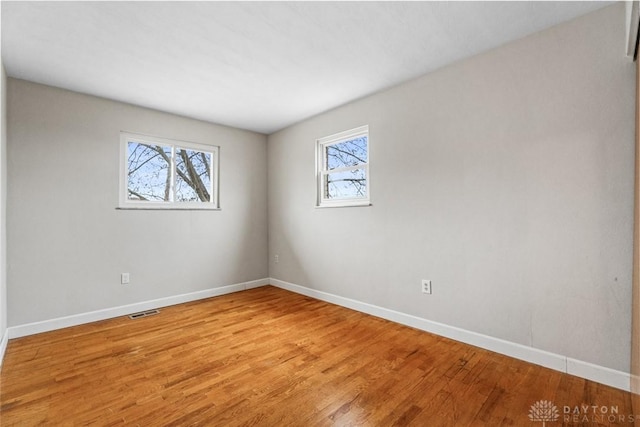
x=67 y=243
x=506 y=179
x=3 y=204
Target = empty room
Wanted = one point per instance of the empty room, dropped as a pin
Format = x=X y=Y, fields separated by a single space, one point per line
x=319 y=213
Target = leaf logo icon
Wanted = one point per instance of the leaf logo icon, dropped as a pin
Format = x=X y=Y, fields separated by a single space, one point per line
x=543 y=410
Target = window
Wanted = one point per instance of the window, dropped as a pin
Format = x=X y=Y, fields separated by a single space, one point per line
x=158 y=173
x=343 y=168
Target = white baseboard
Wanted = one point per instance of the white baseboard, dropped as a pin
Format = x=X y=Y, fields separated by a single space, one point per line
x=108 y=313
x=3 y=345
x=600 y=374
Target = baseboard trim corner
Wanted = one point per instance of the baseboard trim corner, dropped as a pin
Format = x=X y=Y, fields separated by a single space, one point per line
x=599 y=374
x=596 y=373
x=124 y=310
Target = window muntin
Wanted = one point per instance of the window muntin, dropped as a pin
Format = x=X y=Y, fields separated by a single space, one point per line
x=343 y=168
x=165 y=174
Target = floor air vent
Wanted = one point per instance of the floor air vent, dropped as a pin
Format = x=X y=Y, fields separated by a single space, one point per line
x=143 y=314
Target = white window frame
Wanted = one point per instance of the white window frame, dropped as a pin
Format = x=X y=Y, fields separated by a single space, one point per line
x=126 y=203
x=321 y=168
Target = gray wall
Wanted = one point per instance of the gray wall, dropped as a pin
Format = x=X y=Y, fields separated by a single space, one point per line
x=3 y=200
x=507 y=179
x=67 y=243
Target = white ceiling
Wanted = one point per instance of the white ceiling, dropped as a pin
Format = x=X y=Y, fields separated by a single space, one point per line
x=255 y=65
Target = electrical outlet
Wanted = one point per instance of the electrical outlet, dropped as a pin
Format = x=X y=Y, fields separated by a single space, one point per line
x=426 y=286
x=276 y=259
x=124 y=278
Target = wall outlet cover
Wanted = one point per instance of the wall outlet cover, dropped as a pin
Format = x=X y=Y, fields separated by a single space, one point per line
x=426 y=286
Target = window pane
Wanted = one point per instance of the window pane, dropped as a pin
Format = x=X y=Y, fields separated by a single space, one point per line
x=148 y=175
x=351 y=152
x=193 y=175
x=345 y=185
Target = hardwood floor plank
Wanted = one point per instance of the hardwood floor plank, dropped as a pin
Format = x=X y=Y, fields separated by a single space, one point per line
x=268 y=357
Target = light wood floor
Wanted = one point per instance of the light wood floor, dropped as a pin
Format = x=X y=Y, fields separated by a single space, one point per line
x=269 y=357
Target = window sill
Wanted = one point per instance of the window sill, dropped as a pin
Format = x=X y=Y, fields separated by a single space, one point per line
x=168 y=208
x=345 y=205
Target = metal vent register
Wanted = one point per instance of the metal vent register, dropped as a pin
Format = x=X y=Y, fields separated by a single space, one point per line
x=143 y=314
